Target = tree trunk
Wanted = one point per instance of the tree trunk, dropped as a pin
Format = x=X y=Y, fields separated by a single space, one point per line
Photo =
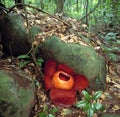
x=77 y=7
x=59 y=6
x=87 y=2
x=19 y=6
x=41 y=4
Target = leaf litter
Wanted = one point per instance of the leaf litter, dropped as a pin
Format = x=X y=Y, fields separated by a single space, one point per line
x=75 y=32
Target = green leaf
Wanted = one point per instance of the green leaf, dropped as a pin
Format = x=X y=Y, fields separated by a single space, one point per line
x=110 y=36
x=87 y=107
x=23 y=57
x=90 y=112
x=42 y=114
x=86 y=95
x=23 y=63
x=37 y=84
x=112 y=56
x=50 y=115
x=81 y=104
x=93 y=107
x=99 y=106
x=46 y=108
x=54 y=110
x=97 y=95
x=40 y=61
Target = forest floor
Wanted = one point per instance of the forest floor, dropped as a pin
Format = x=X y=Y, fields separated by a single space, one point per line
x=73 y=31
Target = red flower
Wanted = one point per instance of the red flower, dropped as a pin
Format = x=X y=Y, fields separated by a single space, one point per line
x=63 y=83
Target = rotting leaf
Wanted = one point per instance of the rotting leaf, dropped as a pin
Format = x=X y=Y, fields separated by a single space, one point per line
x=66 y=112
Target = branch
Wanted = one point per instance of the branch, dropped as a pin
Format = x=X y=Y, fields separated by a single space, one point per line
x=40 y=11
x=4 y=9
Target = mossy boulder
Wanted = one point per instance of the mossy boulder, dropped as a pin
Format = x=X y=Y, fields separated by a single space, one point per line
x=83 y=59
x=14 y=36
x=17 y=93
x=34 y=30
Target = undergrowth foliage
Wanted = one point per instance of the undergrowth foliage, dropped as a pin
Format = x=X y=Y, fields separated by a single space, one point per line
x=90 y=103
x=48 y=112
x=26 y=59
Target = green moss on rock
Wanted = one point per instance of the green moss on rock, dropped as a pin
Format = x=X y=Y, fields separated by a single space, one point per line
x=16 y=94
x=83 y=59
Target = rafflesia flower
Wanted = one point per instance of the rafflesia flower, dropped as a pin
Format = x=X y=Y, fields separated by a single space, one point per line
x=63 y=83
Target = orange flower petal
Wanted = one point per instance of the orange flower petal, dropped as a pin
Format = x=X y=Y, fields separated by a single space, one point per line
x=50 y=67
x=64 y=98
x=65 y=68
x=80 y=82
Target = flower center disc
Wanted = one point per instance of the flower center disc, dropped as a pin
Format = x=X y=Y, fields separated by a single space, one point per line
x=62 y=80
x=64 y=77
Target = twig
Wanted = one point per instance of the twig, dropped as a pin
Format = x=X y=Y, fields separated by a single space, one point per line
x=4 y=9
x=35 y=62
x=32 y=53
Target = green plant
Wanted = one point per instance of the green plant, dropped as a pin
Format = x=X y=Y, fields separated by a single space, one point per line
x=90 y=103
x=112 y=56
x=26 y=59
x=110 y=52
x=39 y=61
x=110 y=36
x=48 y=112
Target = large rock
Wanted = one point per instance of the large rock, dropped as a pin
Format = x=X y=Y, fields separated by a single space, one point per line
x=83 y=59
x=14 y=36
x=16 y=93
